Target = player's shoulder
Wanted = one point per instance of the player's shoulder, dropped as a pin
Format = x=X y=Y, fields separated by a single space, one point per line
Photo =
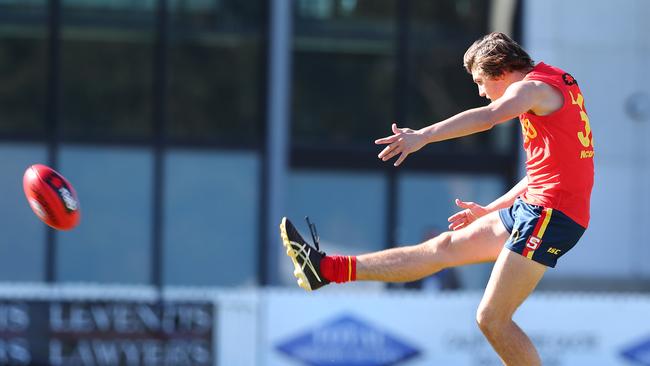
x=530 y=88
x=545 y=98
x=537 y=88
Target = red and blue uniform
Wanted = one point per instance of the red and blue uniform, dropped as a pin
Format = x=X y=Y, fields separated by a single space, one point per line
x=553 y=213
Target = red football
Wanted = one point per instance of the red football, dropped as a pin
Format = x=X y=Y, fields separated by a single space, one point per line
x=51 y=197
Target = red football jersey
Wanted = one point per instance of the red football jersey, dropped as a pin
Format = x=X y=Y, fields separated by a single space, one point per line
x=559 y=150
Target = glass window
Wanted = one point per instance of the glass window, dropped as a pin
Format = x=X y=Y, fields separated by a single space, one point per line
x=211 y=218
x=427 y=200
x=23 y=68
x=22 y=243
x=349 y=210
x=106 y=69
x=217 y=58
x=112 y=243
x=438 y=86
x=343 y=71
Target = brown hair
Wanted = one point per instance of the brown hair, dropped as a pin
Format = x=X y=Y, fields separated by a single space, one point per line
x=496 y=53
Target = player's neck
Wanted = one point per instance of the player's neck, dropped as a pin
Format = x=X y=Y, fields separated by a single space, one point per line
x=515 y=76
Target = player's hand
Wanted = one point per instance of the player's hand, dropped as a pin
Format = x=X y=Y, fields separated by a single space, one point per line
x=471 y=211
x=404 y=141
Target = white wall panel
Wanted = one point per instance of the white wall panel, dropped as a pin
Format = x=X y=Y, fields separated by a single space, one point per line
x=596 y=23
x=604 y=44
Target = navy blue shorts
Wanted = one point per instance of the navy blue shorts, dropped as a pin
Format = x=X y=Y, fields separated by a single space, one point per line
x=538 y=233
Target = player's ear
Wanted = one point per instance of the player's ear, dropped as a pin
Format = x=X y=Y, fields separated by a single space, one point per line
x=500 y=77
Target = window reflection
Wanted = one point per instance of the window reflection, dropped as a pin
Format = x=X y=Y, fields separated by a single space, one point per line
x=216 y=63
x=22 y=249
x=106 y=62
x=211 y=219
x=112 y=243
x=23 y=66
x=438 y=85
x=345 y=57
x=344 y=67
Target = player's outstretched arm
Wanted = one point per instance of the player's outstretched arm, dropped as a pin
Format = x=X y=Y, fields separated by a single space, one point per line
x=518 y=98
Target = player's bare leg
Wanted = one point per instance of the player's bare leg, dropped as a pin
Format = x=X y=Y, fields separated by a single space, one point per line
x=513 y=278
x=479 y=242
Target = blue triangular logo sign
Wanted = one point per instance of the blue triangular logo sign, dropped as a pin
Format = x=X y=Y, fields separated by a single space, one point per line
x=638 y=353
x=347 y=341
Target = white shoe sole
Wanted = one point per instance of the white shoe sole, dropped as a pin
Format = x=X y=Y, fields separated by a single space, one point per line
x=297 y=271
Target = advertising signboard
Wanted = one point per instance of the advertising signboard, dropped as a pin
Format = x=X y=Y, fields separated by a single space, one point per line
x=98 y=333
x=416 y=329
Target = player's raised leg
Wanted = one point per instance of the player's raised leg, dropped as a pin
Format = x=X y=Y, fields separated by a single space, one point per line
x=513 y=278
x=481 y=241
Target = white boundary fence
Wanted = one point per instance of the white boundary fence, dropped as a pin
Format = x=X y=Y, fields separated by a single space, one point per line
x=113 y=325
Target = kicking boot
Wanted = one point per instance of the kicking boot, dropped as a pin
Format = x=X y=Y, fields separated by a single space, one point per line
x=306 y=259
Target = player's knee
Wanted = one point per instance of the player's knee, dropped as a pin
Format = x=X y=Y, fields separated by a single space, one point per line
x=490 y=319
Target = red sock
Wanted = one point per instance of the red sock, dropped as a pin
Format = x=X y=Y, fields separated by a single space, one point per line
x=339 y=268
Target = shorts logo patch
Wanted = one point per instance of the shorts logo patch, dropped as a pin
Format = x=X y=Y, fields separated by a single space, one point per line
x=554 y=251
x=533 y=242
